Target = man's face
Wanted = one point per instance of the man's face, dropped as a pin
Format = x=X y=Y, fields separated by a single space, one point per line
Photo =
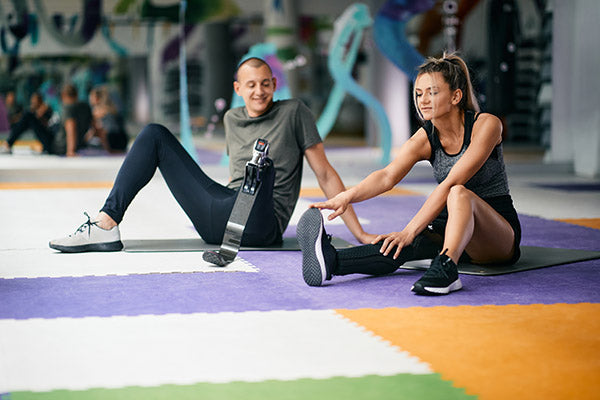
x=10 y=98
x=256 y=86
x=35 y=102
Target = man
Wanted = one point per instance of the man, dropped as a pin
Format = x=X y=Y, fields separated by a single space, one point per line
x=14 y=109
x=37 y=119
x=77 y=119
x=287 y=125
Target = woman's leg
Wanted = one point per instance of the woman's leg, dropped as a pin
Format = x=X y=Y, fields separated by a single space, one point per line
x=475 y=227
x=206 y=202
x=367 y=259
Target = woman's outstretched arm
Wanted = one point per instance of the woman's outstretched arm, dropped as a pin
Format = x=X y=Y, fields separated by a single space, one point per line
x=415 y=149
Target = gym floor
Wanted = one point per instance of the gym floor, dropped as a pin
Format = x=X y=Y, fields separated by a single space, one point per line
x=166 y=325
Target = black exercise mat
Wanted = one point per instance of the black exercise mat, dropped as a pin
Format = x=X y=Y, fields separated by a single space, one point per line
x=531 y=258
x=169 y=245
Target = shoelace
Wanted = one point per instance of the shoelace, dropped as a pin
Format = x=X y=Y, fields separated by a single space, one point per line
x=437 y=269
x=87 y=224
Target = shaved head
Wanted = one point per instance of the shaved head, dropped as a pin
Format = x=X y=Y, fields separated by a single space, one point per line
x=253 y=62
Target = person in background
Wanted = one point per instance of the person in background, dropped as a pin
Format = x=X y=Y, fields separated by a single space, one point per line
x=107 y=125
x=37 y=119
x=76 y=121
x=14 y=109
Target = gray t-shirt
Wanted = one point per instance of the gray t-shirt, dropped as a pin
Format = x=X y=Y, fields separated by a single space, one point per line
x=290 y=129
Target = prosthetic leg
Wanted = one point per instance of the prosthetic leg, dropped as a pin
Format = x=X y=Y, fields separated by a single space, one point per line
x=232 y=238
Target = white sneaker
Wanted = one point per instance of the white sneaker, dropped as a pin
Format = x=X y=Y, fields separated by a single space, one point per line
x=89 y=237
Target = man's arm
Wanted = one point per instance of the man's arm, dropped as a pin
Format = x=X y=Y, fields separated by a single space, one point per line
x=331 y=184
x=71 y=133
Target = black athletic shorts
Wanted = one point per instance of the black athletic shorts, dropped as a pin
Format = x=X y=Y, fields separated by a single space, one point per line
x=503 y=206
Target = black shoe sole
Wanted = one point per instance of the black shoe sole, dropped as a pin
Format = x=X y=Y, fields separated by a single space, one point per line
x=309 y=233
x=112 y=246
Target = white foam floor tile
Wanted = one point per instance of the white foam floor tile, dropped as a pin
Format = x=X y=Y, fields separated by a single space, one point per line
x=76 y=354
x=31 y=218
x=46 y=263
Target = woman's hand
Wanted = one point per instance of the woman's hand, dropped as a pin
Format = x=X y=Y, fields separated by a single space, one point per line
x=338 y=204
x=399 y=240
x=367 y=238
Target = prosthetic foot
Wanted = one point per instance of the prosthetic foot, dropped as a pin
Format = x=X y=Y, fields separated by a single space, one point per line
x=248 y=193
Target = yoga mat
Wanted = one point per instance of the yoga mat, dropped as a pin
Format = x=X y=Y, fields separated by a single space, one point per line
x=532 y=257
x=172 y=245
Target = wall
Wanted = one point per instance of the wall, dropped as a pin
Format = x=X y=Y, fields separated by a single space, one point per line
x=576 y=87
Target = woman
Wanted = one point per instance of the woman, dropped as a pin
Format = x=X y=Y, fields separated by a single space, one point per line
x=108 y=124
x=469 y=216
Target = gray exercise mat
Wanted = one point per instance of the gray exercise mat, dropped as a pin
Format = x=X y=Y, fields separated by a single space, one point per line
x=169 y=245
x=531 y=258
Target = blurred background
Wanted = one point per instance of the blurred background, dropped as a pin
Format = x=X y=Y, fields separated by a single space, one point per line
x=533 y=62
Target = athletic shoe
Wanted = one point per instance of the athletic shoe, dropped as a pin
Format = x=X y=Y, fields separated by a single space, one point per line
x=440 y=278
x=318 y=255
x=5 y=149
x=89 y=237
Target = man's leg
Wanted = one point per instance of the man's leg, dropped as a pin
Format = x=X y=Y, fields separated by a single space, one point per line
x=29 y=121
x=206 y=202
x=17 y=129
x=262 y=227
x=44 y=135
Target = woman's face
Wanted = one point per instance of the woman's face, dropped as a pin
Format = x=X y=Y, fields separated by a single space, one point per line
x=433 y=95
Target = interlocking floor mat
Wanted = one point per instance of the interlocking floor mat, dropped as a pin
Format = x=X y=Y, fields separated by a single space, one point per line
x=173 y=245
x=532 y=257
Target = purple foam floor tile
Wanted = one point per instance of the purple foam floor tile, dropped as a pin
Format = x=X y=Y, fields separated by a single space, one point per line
x=279 y=284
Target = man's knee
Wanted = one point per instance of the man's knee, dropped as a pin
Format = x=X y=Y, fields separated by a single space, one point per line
x=155 y=131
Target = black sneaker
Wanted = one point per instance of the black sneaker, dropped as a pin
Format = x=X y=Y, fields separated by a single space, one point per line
x=318 y=255
x=440 y=278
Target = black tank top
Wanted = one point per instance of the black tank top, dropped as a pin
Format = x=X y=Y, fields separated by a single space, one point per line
x=489 y=181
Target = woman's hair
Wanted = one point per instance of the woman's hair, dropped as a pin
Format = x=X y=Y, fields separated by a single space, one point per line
x=103 y=97
x=456 y=74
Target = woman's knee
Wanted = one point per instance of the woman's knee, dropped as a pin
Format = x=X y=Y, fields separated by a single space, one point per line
x=458 y=195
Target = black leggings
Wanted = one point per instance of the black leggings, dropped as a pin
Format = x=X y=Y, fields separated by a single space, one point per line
x=206 y=202
x=367 y=259
x=30 y=121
